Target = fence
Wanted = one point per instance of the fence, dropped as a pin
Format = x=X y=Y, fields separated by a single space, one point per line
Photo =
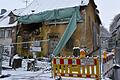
x=76 y=67
x=107 y=64
x=88 y=67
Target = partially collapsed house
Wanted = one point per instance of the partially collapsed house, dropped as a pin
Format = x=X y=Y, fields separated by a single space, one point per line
x=58 y=26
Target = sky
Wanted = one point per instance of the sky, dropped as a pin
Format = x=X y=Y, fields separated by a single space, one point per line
x=107 y=8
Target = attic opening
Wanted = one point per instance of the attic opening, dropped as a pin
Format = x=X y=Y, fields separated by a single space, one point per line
x=28 y=31
x=31 y=27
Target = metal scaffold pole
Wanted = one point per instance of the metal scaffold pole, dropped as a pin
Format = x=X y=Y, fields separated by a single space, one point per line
x=100 y=62
x=100 y=57
x=31 y=42
x=1 y=50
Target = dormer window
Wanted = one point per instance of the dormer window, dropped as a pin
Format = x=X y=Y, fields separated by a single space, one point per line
x=12 y=20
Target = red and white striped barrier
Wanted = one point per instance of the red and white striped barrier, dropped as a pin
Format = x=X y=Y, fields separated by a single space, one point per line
x=75 y=61
x=76 y=67
x=87 y=67
x=107 y=63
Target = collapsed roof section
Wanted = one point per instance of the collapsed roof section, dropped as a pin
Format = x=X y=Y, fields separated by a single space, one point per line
x=46 y=10
x=57 y=15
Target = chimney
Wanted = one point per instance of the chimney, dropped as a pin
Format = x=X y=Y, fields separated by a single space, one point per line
x=3 y=11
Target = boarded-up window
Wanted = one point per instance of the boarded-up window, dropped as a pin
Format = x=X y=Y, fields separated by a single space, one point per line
x=25 y=39
x=54 y=39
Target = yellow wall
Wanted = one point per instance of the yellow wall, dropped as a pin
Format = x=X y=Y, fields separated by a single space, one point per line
x=51 y=28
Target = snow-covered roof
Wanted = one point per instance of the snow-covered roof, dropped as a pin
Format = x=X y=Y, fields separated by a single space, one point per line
x=5 y=24
x=5 y=19
x=18 y=11
x=4 y=15
x=104 y=32
x=45 y=5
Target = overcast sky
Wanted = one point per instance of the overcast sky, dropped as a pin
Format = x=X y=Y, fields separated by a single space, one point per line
x=108 y=8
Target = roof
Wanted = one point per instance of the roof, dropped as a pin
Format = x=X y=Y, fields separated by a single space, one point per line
x=104 y=32
x=4 y=20
x=44 y=5
x=17 y=12
x=8 y=25
x=115 y=23
x=4 y=15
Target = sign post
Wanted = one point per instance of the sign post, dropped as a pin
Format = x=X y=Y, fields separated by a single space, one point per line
x=35 y=48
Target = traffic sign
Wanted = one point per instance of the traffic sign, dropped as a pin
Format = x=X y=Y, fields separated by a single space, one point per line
x=87 y=61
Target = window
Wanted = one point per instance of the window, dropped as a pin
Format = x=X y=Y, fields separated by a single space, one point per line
x=8 y=33
x=2 y=33
x=54 y=39
x=25 y=39
x=12 y=20
x=94 y=35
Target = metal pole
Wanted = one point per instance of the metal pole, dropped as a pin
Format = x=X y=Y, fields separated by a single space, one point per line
x=100 y=62
x=31 y=42
x=1 y=50
x=85 y=29
x=100 y=56
x=34 y=62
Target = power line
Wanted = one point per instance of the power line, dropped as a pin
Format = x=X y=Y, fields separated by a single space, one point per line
x=26 y=2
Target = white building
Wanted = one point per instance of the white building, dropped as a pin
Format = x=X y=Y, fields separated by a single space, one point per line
x=7 y=22
x=105 y=36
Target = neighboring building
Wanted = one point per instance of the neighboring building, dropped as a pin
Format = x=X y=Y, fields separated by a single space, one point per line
x=115 y=39
x=105 y=38
x=36 y=24
x=7 y=24
x=115 y=31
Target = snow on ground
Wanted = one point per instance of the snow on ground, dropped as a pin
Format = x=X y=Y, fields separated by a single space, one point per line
x=44 y=72
x=27 y=75
x=22 y=74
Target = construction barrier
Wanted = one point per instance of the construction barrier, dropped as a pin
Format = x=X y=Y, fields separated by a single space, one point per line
x=87 y=67
x=107 y=63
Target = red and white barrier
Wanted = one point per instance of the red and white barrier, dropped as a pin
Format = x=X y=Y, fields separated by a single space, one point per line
x=107 y=64
x=75 y=61
x=76 y=67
